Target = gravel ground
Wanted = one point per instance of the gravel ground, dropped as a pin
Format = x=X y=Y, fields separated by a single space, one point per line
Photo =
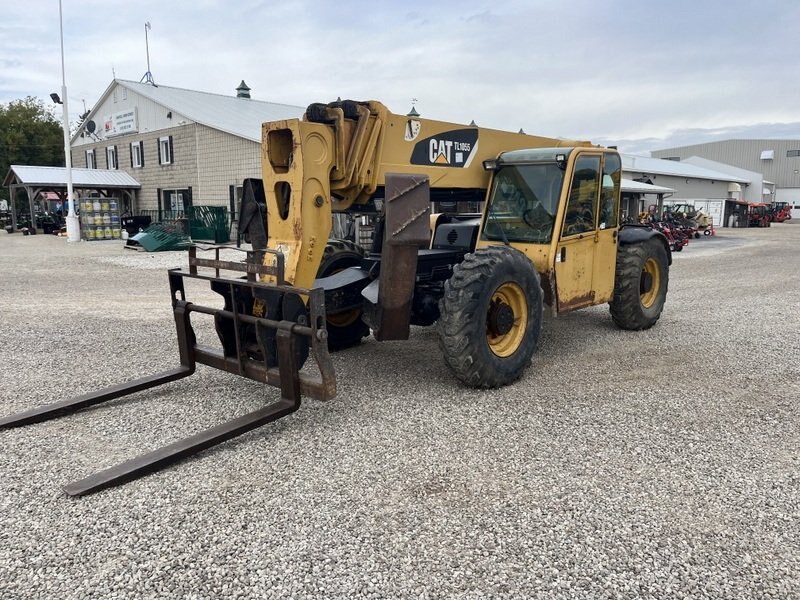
x=654 y=464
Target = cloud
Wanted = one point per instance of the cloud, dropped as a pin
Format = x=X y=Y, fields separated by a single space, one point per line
x=617 y=70
x=690 y=136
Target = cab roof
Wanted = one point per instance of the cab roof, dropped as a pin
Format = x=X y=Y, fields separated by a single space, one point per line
x=534 y=155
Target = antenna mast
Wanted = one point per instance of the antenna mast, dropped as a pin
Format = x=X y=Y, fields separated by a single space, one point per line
x=147 y=77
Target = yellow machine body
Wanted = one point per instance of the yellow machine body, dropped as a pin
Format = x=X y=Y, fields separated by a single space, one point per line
x=336 y=160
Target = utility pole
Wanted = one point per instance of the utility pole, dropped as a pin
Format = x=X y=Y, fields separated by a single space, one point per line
x=73 y=226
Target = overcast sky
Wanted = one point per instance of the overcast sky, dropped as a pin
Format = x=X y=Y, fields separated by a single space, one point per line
x=639 y=74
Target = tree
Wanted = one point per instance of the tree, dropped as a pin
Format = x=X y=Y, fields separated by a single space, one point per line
x=30 y=134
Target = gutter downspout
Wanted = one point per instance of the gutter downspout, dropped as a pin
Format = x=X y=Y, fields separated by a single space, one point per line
x=197 y=156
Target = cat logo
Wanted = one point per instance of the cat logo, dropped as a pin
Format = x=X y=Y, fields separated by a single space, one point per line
x=448 y=149
x=441 y=152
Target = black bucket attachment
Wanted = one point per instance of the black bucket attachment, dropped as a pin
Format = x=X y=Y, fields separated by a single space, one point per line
x=266 y=332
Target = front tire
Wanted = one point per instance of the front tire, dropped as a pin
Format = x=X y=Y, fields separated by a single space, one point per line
x=491 y=317
x=640 y=285
x=345 y=329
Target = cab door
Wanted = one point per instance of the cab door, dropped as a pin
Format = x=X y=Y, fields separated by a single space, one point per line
x=575 y=251
x=605 y=252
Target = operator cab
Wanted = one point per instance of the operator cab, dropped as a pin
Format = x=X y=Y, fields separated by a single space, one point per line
x=523 y=201
x=560 y=207
x=527 y=188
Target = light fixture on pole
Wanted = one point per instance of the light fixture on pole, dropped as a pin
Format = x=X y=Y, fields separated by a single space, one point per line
x=73 y=226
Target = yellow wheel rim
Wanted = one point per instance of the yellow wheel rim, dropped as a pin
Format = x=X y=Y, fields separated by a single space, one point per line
x=506 y=337
x=651 y=268
x=344 y=319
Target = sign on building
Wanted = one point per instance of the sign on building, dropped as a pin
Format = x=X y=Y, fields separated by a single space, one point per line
x=121 y=123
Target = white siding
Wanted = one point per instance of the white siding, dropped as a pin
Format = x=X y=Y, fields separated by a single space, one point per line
x=783 y=170
x=151 y=116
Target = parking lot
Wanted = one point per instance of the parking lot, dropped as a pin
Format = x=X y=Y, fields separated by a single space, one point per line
x=662 y=463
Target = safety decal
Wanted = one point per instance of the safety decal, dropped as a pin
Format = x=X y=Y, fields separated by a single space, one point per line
x=412 y=129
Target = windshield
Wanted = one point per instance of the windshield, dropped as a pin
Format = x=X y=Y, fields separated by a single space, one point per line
x=523 y=203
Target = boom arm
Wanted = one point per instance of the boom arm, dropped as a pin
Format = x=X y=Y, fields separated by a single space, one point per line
x=337 y=158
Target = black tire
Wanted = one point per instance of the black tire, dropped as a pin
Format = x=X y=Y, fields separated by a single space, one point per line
x=344 y=329
x=481 y=335
x=276 y=306
x=292 y=309
x=640 y=285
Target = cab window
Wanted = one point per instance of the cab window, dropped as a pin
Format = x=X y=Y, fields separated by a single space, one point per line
x=582 y=205
x=609 y=192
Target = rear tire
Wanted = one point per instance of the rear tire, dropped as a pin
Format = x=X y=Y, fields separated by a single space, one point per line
x=344 y=329
x=491 y=317
x=640 y=285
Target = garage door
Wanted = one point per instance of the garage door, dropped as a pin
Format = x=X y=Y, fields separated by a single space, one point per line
x=792 y=196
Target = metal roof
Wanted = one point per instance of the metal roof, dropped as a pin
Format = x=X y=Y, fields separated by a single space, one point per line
x=639 y=187
x=659 y=166
x=699 y=161
x=81 y=178
x=242 y=117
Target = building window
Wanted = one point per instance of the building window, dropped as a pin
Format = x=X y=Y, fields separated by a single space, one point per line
x=177 y=201
x=111 y=158
x=767 y=154
x=790 y=153
x=115 y=95
x=137 y=155
x=124 y=93
x=91 y=163
x=165 y=156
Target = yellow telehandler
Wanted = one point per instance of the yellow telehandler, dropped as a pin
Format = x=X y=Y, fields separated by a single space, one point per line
x=548 y=235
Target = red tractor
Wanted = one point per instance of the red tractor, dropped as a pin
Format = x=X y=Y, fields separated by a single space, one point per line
x=780 y=212
x=758 y=215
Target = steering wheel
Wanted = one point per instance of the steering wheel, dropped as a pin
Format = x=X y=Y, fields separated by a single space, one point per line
x=527 y=216
x=537 y=218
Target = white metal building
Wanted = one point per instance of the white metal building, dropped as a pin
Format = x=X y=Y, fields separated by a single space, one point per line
x=183 y=147
x=777 y=160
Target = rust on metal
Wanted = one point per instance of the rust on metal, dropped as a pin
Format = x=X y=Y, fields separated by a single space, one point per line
x=580 y=301
x=407 y=226
x=253 y=264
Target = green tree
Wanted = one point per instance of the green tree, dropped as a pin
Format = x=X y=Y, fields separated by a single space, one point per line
x=30 y=134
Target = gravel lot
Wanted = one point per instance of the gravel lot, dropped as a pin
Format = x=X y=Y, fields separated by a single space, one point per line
x=654 y=464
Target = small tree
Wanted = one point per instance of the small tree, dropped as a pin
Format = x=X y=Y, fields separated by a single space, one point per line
x=30 y=134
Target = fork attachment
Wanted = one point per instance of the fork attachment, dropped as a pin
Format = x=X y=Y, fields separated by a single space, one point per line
x=266 y=332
